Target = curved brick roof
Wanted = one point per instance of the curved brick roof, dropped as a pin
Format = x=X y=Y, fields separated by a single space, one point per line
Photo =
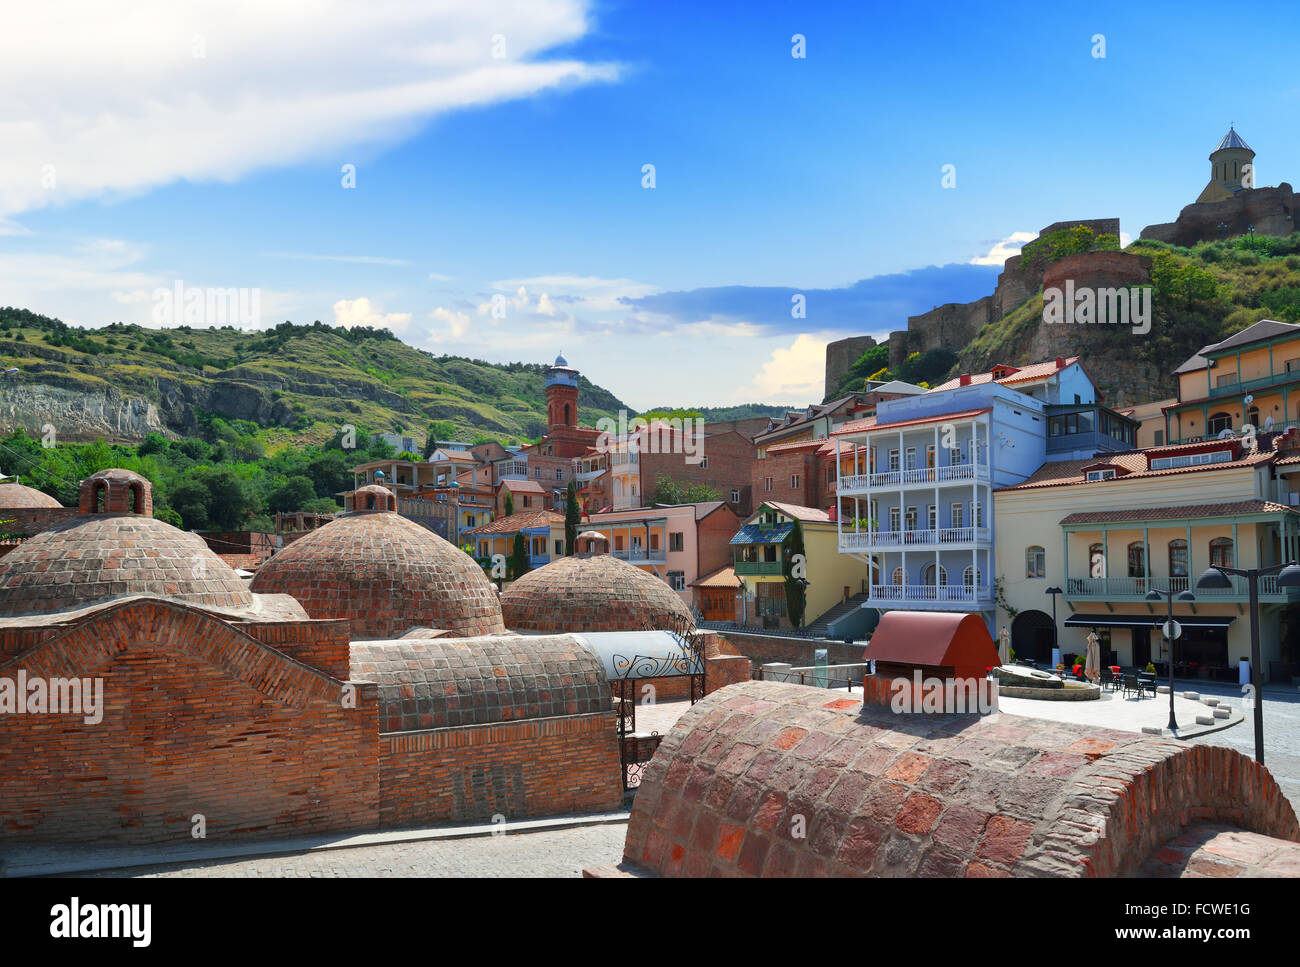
x=18 y=497
x=928 y=795
x=447 y=682
x=96 y=558
x=599 y=593
x=387 y=575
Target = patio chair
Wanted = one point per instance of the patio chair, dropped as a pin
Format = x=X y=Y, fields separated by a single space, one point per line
x=1131 y=684
x=1107 y=679
x=1147 y=683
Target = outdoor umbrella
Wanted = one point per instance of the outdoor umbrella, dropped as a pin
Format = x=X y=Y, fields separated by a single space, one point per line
x=1004 y=647
x=1092 y=668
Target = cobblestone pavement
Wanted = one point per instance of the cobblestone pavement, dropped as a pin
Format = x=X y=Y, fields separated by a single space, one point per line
x=1281 y=734
x=548 y=853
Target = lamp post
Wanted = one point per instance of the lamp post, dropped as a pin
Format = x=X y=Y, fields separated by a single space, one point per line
x=1215 y=578
x=1056 y=643
x=1155 y=594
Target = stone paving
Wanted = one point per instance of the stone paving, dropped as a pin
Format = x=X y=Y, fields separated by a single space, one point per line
x=550 y=853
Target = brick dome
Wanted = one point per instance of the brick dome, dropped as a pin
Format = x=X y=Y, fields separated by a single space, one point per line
x=599 y=593
x=102 y=556
x=18 y=497
x=387 y=575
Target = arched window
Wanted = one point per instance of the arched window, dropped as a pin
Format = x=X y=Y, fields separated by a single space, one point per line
x=1035 y=562
x=101 y=497
x=1137 y=560
x=1219 y=422
x=931 y=573
x=566 y=414
x=1221 y=552
x=370 y=501
x=899 y=577
x=971 y=576
x=1178 y=559
x=1096 y=561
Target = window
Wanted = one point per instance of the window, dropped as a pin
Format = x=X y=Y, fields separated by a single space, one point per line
x=676 y=541
x=767 y=485
x=1178 y=559
x=1227 y=379
x=910 y=517
x=894 y=518
x=954 y=456
x=1293 y=365
x=1221 y=552
x=1137 y=560
x=794 y=481
x=1192 y=459
x=893 y=459
x=1219 y=422
x=527 y=501
x=970 y=577
x=559 y=548
x=932 y=517
x=911 y=458
x=559 y=475
x=677 y=580
x=958 y=514
x=654 y=540
x=704 y=462
x=976 y=514
x=1108 y=474
x=1160 y=438
x=929 y=456
x=936 y=576
x=469 y=520
x=898 y=577
x=735 y=496
x=1035 y=562
x=537 y=473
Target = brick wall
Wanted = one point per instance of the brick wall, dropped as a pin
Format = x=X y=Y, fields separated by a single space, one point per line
x=321 y=644
x=198 y=719
x=713 y=535
x=761 y=649
x=780 y=467
x=30 y=521
x=567 y=764
x=730 y=461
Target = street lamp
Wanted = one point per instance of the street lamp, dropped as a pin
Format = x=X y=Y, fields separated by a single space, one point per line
x=1054 y=591
x=1171 y=631
x=1215 y=578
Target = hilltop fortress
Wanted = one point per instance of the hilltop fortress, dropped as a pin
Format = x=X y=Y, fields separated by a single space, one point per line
x=1229 y=205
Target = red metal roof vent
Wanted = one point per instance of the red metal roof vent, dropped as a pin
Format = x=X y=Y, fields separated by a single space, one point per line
x=922 y=646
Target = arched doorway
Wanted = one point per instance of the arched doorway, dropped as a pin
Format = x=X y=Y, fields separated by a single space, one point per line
x=1032 y=636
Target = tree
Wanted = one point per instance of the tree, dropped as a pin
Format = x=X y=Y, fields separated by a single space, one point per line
x=518 y=558
x=572 y=518
x=293 y=494
x=510 y=504
x=795 y=572
x=668 y=491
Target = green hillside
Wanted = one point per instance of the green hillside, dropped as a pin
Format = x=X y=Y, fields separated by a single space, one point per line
x=297 y=383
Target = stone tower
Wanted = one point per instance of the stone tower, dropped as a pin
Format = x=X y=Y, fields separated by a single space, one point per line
x=1228 y=167
x=561 y=395
x=116 y=492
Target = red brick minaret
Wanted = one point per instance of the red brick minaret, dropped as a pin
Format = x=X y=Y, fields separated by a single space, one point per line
x=561 y=395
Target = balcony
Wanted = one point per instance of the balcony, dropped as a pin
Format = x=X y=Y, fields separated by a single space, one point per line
x=640 y=555
x=866 y=541
x=933 y=594
x=758 y=568
x=1264 y=382
x=919 y=477
x=1134 y=589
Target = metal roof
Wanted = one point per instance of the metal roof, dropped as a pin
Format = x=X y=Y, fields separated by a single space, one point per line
x=642 y=654
x=763 y=534
x=1233 y=140
x=1147 y=620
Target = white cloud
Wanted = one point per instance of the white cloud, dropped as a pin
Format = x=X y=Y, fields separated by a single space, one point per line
x=122 y=103
x=797 y=372
x=454 y=328
x=1004 y=249
x=361 y=259
x=362 y=312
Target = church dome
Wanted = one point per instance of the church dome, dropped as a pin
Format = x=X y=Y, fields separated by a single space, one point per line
x=98 y=557
x=15 y=496
x=387 y=575
x=599 y=593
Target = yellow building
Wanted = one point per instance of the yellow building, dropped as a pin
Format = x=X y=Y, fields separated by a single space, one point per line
x=1250 y=378
x=762 y=551
x=1106 y=531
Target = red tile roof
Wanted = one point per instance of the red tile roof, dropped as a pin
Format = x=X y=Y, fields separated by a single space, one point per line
x=1021 y=375
x=523 y=486
x=520 y=521
x=1238 y=508
x=1063 y=473
x=871 y=424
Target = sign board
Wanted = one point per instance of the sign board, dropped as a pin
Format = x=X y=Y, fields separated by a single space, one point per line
x=1172 y=630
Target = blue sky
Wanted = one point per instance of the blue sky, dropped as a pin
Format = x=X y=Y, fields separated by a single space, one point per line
x=205 y=143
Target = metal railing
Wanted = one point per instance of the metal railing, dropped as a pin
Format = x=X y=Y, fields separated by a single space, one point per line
x=1136 y=587
x=932 y=592
x=641 y=555
x=847 y=676
x=867 y=540
x=955 y=473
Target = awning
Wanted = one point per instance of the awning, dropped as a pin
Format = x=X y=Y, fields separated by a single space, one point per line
x=759 y=534
x=1148 y=621
x=641 y=654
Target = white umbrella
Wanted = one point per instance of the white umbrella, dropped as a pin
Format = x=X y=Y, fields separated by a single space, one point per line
x=1092 y=667
x=1004 y=647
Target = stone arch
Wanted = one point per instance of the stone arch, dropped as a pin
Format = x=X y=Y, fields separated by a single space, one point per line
x=1033 y=635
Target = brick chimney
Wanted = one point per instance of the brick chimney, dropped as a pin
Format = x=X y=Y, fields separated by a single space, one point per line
x=1060 y=362
x=963 y=379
